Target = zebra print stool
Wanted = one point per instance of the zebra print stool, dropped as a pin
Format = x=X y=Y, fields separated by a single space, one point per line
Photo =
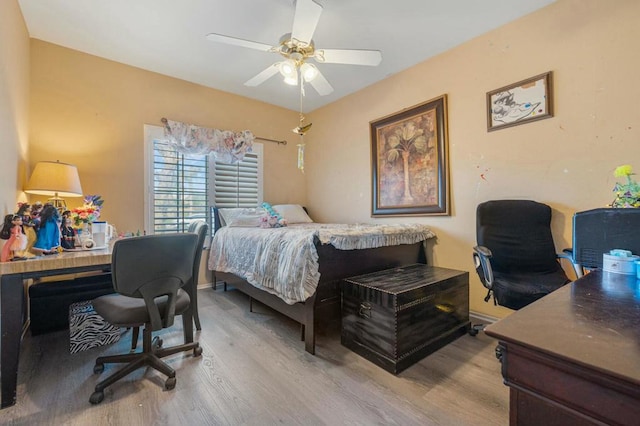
x=88 y=330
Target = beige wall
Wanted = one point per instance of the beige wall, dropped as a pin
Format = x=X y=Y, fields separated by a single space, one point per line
x=90 y=112
x=14 y=105
x=566 y=161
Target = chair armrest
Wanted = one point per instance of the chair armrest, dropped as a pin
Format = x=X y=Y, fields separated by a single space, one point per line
x=481 y=259
x=568 y=255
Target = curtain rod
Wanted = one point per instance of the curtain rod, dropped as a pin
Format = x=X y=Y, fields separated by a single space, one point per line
x=282 y=142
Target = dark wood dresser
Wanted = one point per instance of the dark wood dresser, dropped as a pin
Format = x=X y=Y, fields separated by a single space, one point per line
x=573 y=357
x=398 y=316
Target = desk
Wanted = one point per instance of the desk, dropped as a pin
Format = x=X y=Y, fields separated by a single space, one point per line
x=13 y=313
x=573 y=357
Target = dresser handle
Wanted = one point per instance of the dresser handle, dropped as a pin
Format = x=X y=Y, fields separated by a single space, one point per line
x=365 y=310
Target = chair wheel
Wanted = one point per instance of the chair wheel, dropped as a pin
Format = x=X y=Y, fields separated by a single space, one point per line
x=97 y=369
x=197 y=351
x=474 y=329
x=170 y=383
x=157 y=342
x=96 y=397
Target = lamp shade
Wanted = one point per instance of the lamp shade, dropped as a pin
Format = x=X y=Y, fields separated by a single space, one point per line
x=54 y=178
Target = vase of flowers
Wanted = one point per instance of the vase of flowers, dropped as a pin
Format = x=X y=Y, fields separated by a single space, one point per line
x=627 y=194
x=84 y=215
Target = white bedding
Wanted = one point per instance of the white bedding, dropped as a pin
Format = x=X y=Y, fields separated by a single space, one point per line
x=284 y=261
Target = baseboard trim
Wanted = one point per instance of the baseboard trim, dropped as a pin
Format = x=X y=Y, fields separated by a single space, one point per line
x=204 y=285
x=477 y=317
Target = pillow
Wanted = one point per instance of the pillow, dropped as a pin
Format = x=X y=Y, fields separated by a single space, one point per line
x=248 y=220
x=292 y=213
x=241 y=216
x=227 y=214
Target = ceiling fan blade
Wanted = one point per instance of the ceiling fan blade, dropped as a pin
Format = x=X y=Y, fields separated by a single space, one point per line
x=239 y=42
x=305 y=20
x=321 y=85
x=263 y=76
x=349 y=56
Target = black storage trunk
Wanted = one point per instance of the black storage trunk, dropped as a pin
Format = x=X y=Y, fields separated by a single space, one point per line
x=396 y=317
x=50 y=300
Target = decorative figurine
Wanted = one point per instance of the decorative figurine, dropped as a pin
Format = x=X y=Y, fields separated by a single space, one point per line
x=16 y=240
x=36 y=209
x=28 y=225
x=68 y=234
x=49 y=232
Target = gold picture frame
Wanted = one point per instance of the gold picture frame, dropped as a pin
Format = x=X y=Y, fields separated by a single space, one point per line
x=522 y=102
x=410 y=161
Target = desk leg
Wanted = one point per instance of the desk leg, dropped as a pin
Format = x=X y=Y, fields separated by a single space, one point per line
x=11 y=306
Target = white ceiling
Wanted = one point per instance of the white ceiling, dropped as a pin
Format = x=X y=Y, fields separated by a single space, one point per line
x=168 y=36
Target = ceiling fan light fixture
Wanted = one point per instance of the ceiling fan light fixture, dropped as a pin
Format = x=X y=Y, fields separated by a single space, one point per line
x=308 y=71
x=292 y=80
x=288 y=69
x=296 y=56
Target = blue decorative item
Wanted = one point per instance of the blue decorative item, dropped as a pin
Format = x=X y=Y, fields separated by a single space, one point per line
x=49 y=232
x=273 y=219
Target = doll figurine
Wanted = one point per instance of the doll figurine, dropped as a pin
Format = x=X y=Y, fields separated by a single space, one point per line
x=35 y=215
x=49 y=232
x=28 y=225
x=5 y=234
x=16 y=241
x=68 y=234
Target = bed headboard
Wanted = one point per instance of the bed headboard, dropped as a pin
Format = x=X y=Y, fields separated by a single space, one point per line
x=215 y=219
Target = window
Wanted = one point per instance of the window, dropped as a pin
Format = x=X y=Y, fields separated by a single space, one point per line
x=181 y=188
x=239 y=184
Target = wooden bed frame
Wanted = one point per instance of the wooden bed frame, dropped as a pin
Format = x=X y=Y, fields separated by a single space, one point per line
x=334 y=266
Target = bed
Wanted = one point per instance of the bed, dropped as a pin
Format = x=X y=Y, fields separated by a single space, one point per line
x=257 y=261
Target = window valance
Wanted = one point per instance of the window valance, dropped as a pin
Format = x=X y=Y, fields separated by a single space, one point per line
x=227 y=146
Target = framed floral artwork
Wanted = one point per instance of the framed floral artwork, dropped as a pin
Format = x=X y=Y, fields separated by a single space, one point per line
x=522 y=102
x=409 y=156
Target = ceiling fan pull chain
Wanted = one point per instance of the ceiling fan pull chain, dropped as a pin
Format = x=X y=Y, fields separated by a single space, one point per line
x=301 y=132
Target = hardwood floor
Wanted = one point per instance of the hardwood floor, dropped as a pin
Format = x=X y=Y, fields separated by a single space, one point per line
x=254 y=371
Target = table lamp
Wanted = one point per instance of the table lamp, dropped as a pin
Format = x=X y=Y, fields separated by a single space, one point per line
x=57 y=179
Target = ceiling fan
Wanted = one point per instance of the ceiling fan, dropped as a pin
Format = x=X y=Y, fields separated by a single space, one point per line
x=297 y=48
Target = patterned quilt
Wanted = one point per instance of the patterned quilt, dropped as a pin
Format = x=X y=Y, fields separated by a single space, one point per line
x=284 y=261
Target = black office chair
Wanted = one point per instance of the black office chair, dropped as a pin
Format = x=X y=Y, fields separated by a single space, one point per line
x=515 y=256
x=148 y=275
x=200 y=228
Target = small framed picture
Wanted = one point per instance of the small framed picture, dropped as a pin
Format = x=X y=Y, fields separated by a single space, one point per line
x=521 y=102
